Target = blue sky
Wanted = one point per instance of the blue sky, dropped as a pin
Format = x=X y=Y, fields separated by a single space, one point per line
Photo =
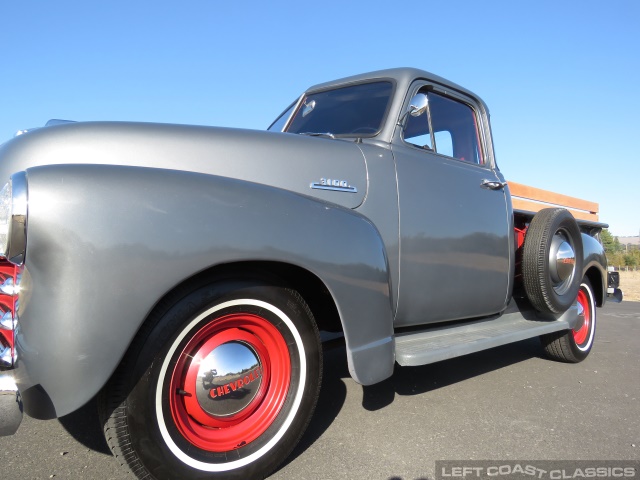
x=561 y=78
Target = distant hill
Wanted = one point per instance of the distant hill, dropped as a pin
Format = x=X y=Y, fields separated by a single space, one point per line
x=629 y=240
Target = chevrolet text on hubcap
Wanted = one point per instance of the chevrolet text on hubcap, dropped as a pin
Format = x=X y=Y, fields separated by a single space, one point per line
x=228 y=379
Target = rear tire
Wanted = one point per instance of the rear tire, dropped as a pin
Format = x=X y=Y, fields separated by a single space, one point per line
x=221 y=384
x=573 y=346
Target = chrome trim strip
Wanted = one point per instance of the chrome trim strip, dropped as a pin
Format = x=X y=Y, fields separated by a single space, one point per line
x=293 y=113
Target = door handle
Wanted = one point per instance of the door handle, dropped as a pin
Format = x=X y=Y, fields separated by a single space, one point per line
x=493 y=184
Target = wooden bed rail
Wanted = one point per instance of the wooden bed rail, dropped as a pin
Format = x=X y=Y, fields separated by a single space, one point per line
x=534 y=199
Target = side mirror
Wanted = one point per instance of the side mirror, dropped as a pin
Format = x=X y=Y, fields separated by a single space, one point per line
x=418 y=105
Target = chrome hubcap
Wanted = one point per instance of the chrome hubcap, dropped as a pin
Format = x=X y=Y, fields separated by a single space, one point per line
x=562 y=262
x=229 y=378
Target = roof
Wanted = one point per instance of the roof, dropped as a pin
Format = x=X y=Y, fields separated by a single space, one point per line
x=403 y=76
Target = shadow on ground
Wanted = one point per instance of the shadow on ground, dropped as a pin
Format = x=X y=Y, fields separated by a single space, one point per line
x=84 y=426
x=404 y=381
x=425 y=378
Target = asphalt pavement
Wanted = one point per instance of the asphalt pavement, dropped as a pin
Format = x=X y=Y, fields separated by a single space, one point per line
x=508 y=403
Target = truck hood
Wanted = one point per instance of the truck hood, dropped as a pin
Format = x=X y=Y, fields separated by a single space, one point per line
x=293 y=162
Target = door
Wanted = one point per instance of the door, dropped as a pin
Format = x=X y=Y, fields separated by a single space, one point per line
x=454 y=226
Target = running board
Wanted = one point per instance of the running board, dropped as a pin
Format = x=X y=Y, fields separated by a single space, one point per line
x=449 y=341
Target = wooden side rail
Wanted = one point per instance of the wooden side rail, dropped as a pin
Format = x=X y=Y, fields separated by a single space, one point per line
x=535 y=199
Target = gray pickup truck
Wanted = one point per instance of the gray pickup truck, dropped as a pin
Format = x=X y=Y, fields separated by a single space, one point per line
x=179 y=276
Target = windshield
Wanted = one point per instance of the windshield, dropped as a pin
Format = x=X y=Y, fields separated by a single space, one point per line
x=354 y=110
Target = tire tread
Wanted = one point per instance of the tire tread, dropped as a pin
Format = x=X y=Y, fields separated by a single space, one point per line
x=112 y=400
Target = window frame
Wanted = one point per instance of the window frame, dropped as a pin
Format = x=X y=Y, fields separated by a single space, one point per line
x=293 y=106
x=479 y=120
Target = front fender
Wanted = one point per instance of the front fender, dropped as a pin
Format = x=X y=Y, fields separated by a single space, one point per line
x=105 y=243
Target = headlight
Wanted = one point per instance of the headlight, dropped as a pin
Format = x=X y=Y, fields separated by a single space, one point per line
x=13 y=218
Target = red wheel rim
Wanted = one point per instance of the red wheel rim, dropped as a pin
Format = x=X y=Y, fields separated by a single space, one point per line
x=213 y=433
x=582 y=334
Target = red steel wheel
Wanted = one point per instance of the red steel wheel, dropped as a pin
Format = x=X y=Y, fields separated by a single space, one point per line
x=220 y=383
x=267 y=363
x=581 y=335
x=573 y=346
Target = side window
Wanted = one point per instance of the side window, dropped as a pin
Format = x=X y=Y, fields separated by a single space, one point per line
x=454 y=129
x=444 y=142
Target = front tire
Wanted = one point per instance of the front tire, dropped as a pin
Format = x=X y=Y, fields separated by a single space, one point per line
x=221 y=384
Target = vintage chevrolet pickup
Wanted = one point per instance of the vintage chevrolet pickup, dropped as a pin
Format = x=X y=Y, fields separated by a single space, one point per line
x=179 y=276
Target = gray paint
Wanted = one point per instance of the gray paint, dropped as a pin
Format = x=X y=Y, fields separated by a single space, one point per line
x=381 y=206
x=107 y=240
x=278 y=159
x=100 y=256
x=455 y=250
x=511 y=231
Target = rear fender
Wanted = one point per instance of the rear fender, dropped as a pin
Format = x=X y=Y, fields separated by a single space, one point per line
x=105 y=243
x=595 y=267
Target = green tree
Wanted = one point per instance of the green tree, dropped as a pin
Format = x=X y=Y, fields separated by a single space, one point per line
x=632 y=259
x=616 y=259
x=610 y=243
x=613 y=249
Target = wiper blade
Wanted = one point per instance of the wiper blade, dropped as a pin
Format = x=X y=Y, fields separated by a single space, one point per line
x=317 y=134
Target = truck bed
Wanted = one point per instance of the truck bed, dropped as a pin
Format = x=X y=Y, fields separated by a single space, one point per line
x=528 y=200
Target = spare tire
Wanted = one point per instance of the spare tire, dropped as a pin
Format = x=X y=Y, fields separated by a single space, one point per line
x=552 y=260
